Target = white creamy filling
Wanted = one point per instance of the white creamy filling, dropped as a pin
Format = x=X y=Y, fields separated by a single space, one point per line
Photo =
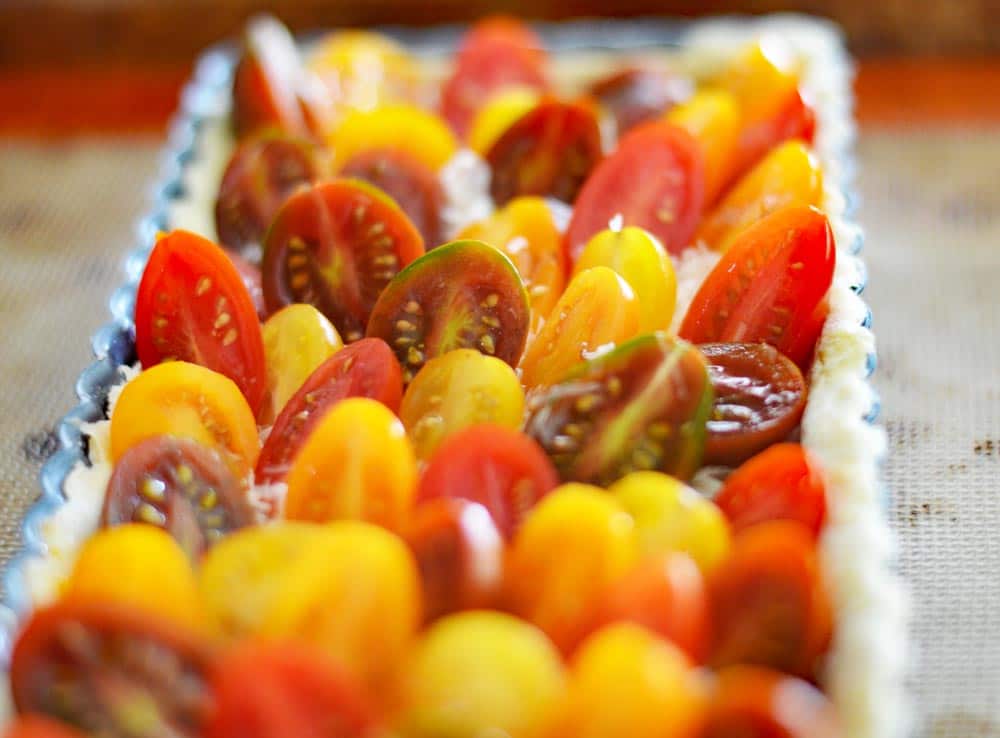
x=866 y=664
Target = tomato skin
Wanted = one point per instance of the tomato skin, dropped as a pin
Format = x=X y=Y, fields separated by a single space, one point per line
x=768 y=286
x=758 y=702
x=293 y=691
x=336 y=245
x=495 y=54
x=549 y=151
x=45 y=648
x=667 y=594
x=769 y=604
x=459 y=552
x=38 y=726
x=504 y=470
x=668 y=165
x=713 y=118
x=793 y=119
x=782 y=482
x=637 y=94
x=365 y=368
x=192 y=305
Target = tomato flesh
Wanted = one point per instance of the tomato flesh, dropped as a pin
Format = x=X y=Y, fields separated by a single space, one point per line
x=637 y=94
x=464 y=294
x=93 y=665
x=178 y=485
x=261 y=173
x=770 y=286
x=192 y=305
x=759 y=399
x=336 y=246
x=655 y=179
x=366 y=368
x=408 y=181
x=782 y=482
x=500 y=468
x=549 y=151
x=250 y=274
x=641 y=406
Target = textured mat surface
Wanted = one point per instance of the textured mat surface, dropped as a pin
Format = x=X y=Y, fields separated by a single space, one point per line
x=931 y=207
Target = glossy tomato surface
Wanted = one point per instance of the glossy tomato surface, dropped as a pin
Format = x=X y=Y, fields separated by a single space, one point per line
x=770 y=286
x=192 y=305
x=637 y=94
x=336 y=246
x=654 y=179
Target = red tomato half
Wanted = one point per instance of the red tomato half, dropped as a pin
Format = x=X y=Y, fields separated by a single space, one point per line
x=192 y=305
x=281 y=691
x=365 y=368
x=655 y=179
x=781 y=483
x=769 y=286
x=502 y=469
x=497 y=53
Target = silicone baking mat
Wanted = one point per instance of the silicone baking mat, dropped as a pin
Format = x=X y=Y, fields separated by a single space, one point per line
x=931 y=208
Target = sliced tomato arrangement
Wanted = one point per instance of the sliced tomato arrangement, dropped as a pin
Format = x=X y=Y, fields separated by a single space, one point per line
x=420 y=451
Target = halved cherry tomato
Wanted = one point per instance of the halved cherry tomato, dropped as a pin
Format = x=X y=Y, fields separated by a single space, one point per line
x=501 y=468
x=366 y=368
x=459 y=552
x=111 y=670
x=464 y=294
x=250 y=274
x=406 y=128
x=244 y=576
x=152 y=574
x=789 y=175
x=481 y=673
x=768 y=286
x=525 y=231
x=670 y=516
x=769 y=604
x=597 y=311
x=641 y=406
x=667 y=594
x=456 y=390
x=625 y=681
x=549 y=151
x=189 y=401
x=712 y=116
x=263 y=170
x=408 y=181
x=765 y=83
x=572 y=546
x=363 y=70
x=781 y=483
x=178 y=485
x=37 y=726
x=655 y=179
x=192 y=305
x=496 y=54
x=356 y=597
x=759 y=398
x=266 y=80
x=297 y=339
x=337 y=245
x=637 y=94
x=758 y=702
x=498 y=114
x=269 y=690
x=356 y=464
x=640 y=260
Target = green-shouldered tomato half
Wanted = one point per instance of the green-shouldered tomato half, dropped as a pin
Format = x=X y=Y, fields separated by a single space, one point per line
x=641 y=406
x=655 y=179
x=759 y=398
x=769 y=286
x=336 y=245
x=464 y=294
x=111 y=670
x=263 y=170
x=192 y=305
x=549 y=151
